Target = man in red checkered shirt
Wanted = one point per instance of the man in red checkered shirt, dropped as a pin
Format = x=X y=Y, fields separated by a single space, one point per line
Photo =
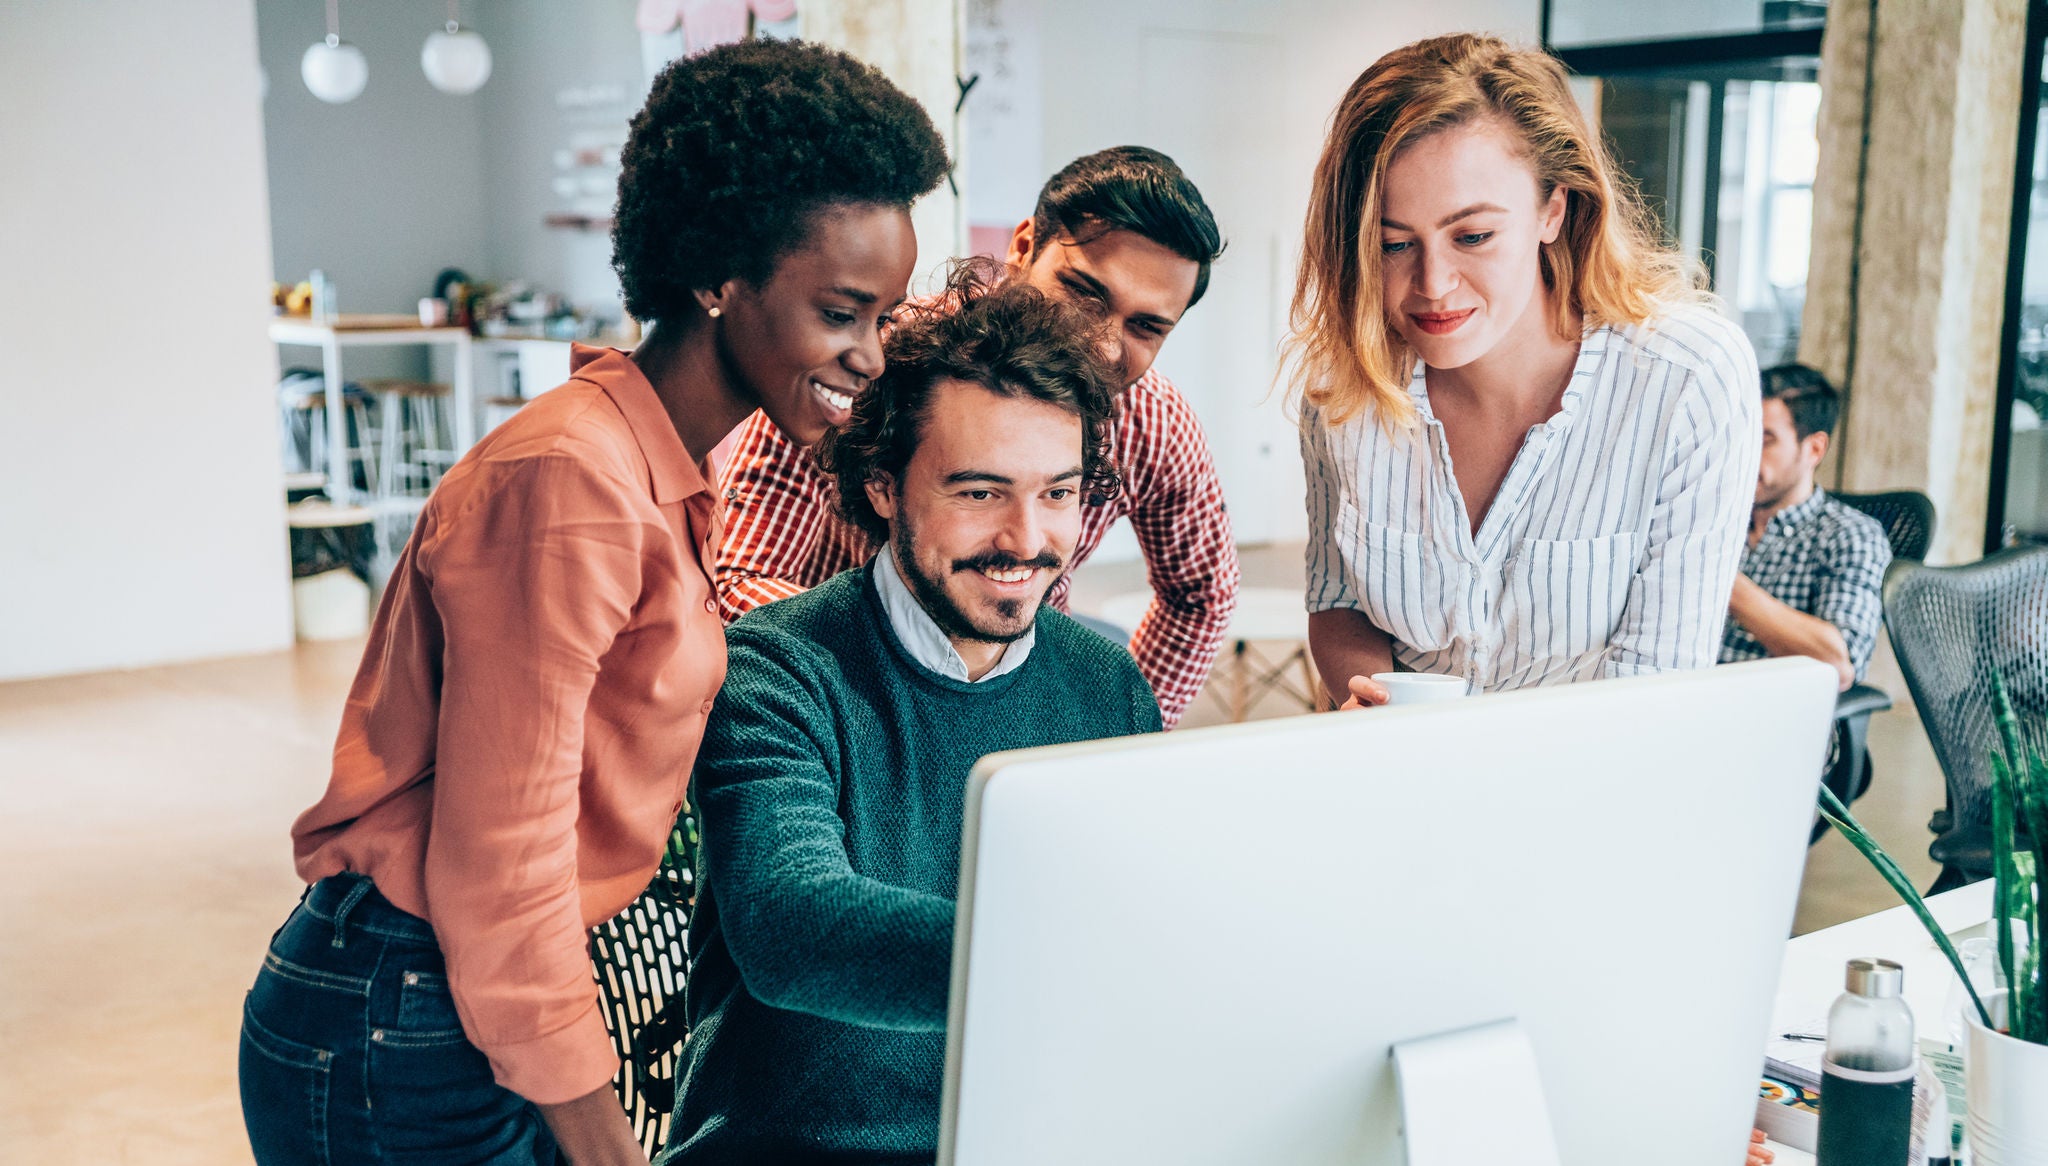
x=1124 y=234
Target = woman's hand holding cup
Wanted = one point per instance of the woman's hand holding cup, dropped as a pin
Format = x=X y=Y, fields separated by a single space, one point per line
x=1403 y=688
x=1366 y=692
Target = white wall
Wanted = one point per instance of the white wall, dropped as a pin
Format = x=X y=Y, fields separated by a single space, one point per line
x=1239 y=94
x=544 y=50
x=141 y=511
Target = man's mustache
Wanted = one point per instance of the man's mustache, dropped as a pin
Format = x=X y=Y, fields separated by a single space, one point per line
x=1043 y=560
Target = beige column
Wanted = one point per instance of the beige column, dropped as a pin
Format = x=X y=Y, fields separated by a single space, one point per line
x=916 y=44
x=1904 y=308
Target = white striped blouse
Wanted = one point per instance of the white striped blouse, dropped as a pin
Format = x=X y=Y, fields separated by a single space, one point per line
x=1611 y=546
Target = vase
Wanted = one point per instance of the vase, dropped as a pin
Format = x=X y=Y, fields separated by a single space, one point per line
x=2007 y=1088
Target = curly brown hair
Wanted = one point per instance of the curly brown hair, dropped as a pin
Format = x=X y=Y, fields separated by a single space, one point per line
x=737 y=151
x=1007 y=337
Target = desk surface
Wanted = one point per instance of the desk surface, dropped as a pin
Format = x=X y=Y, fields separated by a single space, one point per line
x=1811 y=976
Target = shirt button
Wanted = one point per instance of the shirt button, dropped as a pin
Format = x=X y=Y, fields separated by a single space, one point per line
x=377 y=1034
x=711 y=605
x=412 y=978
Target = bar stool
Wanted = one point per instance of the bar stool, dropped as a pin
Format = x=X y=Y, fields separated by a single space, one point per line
x=499 y=409
x=416 y=445
x=302 y=415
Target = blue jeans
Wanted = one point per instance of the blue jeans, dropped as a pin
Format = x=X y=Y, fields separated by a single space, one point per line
x=352 y=1051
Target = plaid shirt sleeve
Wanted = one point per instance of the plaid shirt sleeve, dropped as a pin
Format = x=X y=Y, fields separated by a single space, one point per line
x=783 y=533
x=1849 y=587
x=1176 y=509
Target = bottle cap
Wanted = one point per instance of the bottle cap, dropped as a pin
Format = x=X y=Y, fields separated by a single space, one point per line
x=1875 y=978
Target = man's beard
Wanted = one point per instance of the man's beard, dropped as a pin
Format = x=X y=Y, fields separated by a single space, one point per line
x=1774 y=499
x=951 y=618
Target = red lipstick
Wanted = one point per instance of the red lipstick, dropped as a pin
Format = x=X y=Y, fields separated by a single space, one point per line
x=1441 y=323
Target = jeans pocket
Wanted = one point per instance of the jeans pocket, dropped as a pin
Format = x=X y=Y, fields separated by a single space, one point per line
x=426 y=1010
x=284 y=1095
x=438 y=1102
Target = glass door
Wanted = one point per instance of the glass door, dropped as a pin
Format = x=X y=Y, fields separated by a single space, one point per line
x=2019 y=460
x=1712 y=110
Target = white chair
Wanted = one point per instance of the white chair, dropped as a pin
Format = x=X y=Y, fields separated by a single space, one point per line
x=1273 y=616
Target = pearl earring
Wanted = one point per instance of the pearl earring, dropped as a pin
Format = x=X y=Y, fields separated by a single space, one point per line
x=712 y=312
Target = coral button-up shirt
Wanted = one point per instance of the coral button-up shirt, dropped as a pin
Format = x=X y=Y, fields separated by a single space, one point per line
x=521 y=731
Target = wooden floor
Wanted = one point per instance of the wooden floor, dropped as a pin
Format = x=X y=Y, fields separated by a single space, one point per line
x=144 y=862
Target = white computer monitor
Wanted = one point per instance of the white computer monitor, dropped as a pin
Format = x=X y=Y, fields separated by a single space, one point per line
x=1199 y=947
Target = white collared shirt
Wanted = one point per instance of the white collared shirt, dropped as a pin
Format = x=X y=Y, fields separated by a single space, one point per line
x=921 y=634
x=1611 y=546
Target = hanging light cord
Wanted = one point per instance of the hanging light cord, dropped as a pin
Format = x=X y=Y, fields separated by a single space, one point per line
x=454 y=15
x=334 y=22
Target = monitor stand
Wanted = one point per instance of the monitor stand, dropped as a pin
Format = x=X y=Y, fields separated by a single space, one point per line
x=1473 y=1097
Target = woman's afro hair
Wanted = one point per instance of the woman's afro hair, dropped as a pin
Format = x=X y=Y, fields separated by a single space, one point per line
x=737 y=151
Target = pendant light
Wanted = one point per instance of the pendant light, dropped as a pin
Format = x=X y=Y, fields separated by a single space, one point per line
x=455 y=59
x=333 y=68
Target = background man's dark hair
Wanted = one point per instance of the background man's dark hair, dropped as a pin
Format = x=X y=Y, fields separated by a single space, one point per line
x=739 y=149
x=1130 y=188
x=1812 y=401
x=1010 y=339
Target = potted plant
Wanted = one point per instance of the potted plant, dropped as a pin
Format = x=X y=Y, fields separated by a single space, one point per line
x=2007 y=1054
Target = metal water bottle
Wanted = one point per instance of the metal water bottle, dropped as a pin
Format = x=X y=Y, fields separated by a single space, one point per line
x=1866 y=1091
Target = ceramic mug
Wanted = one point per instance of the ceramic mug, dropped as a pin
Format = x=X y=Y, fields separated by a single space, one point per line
x=1419 y=687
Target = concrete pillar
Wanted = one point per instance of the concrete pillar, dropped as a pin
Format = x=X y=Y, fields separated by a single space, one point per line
x=1904 y=308
x=916 y=44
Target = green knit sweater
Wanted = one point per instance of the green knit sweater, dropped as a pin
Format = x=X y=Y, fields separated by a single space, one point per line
x=829 y=791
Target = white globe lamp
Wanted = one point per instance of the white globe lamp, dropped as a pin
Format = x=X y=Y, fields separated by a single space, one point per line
x=334 y=70
x=456 y=60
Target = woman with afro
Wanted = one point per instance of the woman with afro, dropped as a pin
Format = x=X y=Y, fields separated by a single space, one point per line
x=528 y=709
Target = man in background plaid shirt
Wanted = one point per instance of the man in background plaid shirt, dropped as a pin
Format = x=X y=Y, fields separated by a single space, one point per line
x=1812 y=581
x=1125 y=235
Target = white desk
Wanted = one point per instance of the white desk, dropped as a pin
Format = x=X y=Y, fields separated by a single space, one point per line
x=381 y=332
x=1811 y=976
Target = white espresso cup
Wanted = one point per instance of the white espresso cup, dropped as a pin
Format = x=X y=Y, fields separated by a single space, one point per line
x=1419 y=687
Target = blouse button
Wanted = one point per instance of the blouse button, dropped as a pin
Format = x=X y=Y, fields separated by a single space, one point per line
x=412 y=978
x=377 y=1034
x=711 y=605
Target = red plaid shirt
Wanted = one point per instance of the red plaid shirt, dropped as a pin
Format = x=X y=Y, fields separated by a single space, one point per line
x=783 y=533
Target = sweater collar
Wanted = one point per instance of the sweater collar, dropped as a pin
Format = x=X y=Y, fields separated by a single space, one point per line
x=921 y=635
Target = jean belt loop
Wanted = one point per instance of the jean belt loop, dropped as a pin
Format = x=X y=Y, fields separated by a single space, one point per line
x=348 y=903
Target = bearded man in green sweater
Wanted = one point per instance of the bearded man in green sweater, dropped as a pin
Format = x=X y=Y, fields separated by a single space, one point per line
x=829 y=787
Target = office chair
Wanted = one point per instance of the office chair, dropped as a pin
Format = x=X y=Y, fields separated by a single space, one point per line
x=641 y=958
x=1951 y=628
x=1908 y=520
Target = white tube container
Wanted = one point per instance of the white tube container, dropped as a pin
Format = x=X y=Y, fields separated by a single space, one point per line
x=333 y=605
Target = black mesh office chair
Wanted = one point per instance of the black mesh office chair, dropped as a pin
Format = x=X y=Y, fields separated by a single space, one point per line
x=1908 y=520
x=641 y=958
x=1951 y=628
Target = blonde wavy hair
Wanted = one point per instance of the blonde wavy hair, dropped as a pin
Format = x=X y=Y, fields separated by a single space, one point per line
x=1608 y=258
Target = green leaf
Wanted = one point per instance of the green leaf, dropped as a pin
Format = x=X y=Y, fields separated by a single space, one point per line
x=1838 y=815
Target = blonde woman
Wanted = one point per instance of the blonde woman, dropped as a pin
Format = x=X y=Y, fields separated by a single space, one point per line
x=1530 y=444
